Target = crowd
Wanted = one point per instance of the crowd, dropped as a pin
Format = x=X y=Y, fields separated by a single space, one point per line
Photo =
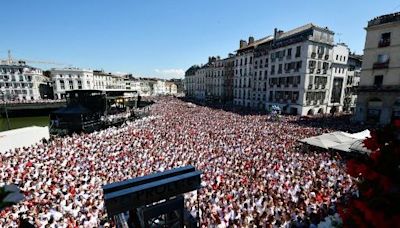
x=254 y=172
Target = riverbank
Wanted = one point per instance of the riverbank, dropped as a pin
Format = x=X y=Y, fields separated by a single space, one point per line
x=20 y=122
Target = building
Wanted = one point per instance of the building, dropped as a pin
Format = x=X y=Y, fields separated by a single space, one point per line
x=229 y=74
x=108 y=81
x=299 y=67
x=242 y=94
x=352 y=82
x=259 y=80
x=190 y=81
x=171 y=88
x=19 y=81
x=378 y=98
x=212 y=81
x=179 y=85
x=65 y=79
x=337 y=81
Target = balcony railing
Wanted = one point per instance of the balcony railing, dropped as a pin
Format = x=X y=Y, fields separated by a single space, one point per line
x=381 y=65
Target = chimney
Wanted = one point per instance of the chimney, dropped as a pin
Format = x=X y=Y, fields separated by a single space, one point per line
x=209 y=59
x=243 y=43
x=275 y=33
x=230 y=55
x=251 y=39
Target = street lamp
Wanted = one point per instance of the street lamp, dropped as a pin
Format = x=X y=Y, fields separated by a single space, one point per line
x=5 y=110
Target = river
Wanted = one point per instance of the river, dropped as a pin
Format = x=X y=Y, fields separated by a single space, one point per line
x=19 y=122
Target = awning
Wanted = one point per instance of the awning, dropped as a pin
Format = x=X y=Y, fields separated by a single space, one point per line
x=341 y=141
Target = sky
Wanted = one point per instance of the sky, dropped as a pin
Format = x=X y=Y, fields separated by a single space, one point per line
x=162 y=38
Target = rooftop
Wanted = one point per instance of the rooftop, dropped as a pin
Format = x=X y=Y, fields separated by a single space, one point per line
x=388 y=18
x=301 y=29
x=257 y=42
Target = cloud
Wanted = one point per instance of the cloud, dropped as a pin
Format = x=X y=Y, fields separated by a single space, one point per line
x=170 y=73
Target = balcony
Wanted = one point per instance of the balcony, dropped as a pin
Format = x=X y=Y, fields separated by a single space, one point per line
x=381 y=65
x=384 y=43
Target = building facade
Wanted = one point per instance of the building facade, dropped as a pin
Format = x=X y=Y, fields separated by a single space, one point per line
x=19 y=81
x=299 y=67
x=337 y=81
x=190 y=81
x=378 y=98
x=66 y=79
x=352 y=82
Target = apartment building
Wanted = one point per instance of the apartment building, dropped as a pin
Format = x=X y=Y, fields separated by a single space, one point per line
x=19 y=81
x=378 y=98
x=300 y=61
x=259 y=79
x=108 y=81
x=242 y=94
x=65 y=79
x=190 y=81
x=352 y=81
x=337 y=81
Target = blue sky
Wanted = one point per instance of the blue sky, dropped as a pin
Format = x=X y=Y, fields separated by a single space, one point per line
x=164 y=37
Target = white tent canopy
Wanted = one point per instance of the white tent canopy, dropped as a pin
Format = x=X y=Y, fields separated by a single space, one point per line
x=339 y=140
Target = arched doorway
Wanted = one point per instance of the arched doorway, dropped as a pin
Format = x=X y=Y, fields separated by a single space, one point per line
x=310 y=112
x=374 y=110
x=321 y=111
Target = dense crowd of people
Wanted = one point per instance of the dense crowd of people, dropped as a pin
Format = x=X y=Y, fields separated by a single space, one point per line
x=254 y=173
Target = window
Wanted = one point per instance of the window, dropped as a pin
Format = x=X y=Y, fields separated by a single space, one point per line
x=378 y=80
x=280 y=69
x=273 y=70
x=245 y=61
x=385 y=40
x=383 y=58
x=298 y=50
x=289 y=53
x=337 y=57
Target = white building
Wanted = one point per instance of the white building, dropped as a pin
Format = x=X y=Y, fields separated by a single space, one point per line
x=338 y=79
x=299 y=69
x=19 y=81
x=66 y=79
x=160 y=88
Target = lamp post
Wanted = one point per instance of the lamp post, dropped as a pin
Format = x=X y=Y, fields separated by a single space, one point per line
x=5 y=110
